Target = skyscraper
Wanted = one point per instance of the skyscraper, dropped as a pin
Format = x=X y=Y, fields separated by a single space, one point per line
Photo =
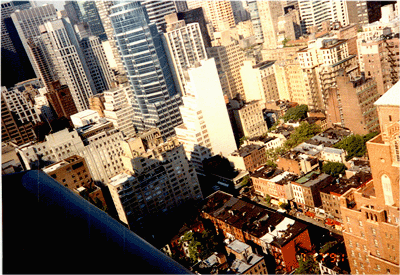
x=12 y=50
x=92 y=17
x=185 y=45
x=60 y=40
x=157 y=9
x=206 y=130
x=27 y=23
x=140 y=45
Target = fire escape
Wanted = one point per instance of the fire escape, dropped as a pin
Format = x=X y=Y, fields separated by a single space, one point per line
x=391 y=58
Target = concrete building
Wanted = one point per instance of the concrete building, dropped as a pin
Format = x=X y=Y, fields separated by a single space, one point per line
x=218 y=14
x=97 y=141
x=270 y=231
x=74 y=174
x=350 y=104
x=296 y=162
x=371 y=212
x=13 y=129
x=269 y=12
x=91 y=16
x=196 y=16
x=22 y=109
x=289 y=26
x=104 y=10
x=61 y=42
x=157 y=10
x=229 y=58
x=204 y=104
x=185 y=47
x=248 y=157
x=259 y=82
x=97 y=63
x=96 y=103
x=118 y=109
x=27 y=22
x=12 y=50
x=249 y=119
x=314 y=13
x=321 y=62
x=158 y=178
x=155 y=97
x=256 y=21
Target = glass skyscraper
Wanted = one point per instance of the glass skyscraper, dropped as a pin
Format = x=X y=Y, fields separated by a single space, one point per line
x=145 y=61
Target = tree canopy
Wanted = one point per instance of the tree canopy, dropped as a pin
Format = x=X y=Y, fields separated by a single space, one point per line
x=296 y=113
x=333 y=168
x=307 y=266
x=200 y=245
x=302 y=133
x=354 y=145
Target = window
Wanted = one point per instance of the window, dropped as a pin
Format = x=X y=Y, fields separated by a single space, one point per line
x=360 y=223
x=376 y=242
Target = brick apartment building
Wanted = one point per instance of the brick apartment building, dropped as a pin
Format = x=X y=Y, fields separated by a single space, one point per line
x=248 y=157
x=274 y=182
x=275 y=234
x=371 y=212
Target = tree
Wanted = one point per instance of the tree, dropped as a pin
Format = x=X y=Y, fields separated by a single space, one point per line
x=242 y=140
x=296 y=113
x=302 y=133
x=333 y=168
x=268 y=199
x=274 y=153
x=307 y=265
x=285 y=41
x=193 y=245
x=245 y=180
x=354 y=145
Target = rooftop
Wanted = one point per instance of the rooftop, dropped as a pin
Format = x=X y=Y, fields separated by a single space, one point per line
x=241 y=267
x=391 y=97
x=238 y=246
x=342 y=185
x=246 y=150
x=251 y=218
x=119 y=179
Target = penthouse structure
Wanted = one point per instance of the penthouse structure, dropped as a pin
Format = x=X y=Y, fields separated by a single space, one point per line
x=371 y=212
x=270 y=231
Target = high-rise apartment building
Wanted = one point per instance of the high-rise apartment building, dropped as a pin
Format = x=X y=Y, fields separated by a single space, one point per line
x=196 y=16
x=229 y=58
x=350 y=104
x=61 y=42
x=371 y=212
x=73 y=11
x=217 y=13
x=96 y=140
x=185 y=47
x=259 y=81
x=12 y=50
x=157 y=10
x=203 y=105
x=118 y=109
x=97 y=63
x=156 y=99
x=91 y=16
x=27 y=23
x=12 y=129
x=269 y=12
x=158 y=177
x=313 y=13
x=256 y=21
x=249 y=119
x=23 y=110
x=104 y=10
x=321 y=62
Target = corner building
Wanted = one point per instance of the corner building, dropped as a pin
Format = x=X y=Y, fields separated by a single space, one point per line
x=371 y=212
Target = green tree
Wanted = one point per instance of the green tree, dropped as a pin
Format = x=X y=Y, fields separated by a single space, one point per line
x=333 y=168
x=285 y=206
x=245 y=180
x=268 y=199
x=302 y=133
x=242 y=140
x=307 y=265
x=296 y=113
x=193 y=244
x=354 y=145
x=285 y=41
